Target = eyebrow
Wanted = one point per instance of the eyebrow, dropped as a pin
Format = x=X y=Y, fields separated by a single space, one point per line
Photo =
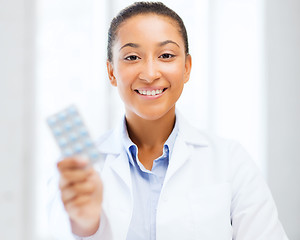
x=167 y=42
x=135 y=45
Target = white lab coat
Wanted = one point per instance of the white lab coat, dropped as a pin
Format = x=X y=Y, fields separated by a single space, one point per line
x=212 y=191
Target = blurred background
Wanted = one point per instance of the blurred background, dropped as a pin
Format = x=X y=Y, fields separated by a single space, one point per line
x=245 y=85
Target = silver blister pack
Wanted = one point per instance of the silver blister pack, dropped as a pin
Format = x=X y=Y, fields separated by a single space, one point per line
x=71 y=134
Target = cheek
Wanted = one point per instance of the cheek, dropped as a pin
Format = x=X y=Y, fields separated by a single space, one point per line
x=124 y=76
x=174 y=72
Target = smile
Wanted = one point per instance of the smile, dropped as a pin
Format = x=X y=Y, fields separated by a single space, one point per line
x=151 y=92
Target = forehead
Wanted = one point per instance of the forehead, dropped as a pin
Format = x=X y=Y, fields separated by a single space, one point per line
x=148 y=27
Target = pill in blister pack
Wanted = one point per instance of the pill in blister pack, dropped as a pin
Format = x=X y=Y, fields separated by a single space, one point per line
x=71 y=134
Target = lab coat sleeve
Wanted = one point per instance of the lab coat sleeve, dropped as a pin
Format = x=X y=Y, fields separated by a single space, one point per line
x=253 y=211
x=59 y=223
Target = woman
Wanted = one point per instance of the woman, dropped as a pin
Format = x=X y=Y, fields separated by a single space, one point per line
x=160 y=178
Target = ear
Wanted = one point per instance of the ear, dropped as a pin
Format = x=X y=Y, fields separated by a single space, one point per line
x=188 y=67
x=110 y=72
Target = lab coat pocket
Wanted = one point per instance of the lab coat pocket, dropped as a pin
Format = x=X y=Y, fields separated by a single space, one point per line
x=210 y=211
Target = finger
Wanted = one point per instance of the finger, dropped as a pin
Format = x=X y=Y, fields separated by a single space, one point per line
x=74 y=207
x=72 y=162
x=76 y=190
x=78 y=201
x=69 y=177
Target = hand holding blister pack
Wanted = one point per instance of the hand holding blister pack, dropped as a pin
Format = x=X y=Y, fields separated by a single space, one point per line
x=71 y=134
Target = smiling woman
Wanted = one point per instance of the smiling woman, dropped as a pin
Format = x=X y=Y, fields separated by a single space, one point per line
x=159 y=69
x=159 y=177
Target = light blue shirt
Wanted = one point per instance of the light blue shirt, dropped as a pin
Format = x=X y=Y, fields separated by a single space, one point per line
x=146 y=187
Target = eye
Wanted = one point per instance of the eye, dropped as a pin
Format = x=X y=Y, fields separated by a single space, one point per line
x=132 y=58
x=167 y=55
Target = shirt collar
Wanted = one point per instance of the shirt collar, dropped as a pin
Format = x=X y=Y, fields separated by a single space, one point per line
x=111 y=143
x=131 y=148
x=127 y=143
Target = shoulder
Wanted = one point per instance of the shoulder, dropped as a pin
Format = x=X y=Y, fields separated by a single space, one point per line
x=103 y=137
x=110 y=142
x=197 y=137
x=220 y=153
x=224 y=151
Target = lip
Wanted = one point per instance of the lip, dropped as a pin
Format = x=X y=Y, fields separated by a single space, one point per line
x=151 y=89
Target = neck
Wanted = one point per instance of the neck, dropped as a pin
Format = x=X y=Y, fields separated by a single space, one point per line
x=150 y=133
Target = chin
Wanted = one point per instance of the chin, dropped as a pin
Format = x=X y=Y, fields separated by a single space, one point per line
x=154 y=114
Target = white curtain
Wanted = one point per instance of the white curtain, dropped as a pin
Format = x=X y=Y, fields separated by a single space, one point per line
x=224 y=95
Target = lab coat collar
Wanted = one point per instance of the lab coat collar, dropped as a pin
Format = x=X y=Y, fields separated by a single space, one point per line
x=189 y=133
x=113 y=143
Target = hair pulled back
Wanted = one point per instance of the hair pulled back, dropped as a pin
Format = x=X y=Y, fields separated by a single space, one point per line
x=138 y=8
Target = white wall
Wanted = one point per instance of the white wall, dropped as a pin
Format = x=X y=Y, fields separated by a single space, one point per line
x=16 y=57
x=283 y=76
x=235 y=74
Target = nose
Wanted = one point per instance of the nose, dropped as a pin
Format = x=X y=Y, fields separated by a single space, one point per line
x=150 y=71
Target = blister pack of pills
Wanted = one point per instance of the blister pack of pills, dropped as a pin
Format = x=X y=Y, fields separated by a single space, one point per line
x=71 y=134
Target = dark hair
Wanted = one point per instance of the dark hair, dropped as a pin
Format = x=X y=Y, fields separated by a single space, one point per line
x=143 y=8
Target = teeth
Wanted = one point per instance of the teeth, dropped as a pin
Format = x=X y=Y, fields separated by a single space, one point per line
x=150 y=93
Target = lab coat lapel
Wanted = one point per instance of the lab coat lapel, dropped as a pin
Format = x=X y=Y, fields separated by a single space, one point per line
x=188 y=137
x=120 y=165
x=117 y=159
x=181 y=153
